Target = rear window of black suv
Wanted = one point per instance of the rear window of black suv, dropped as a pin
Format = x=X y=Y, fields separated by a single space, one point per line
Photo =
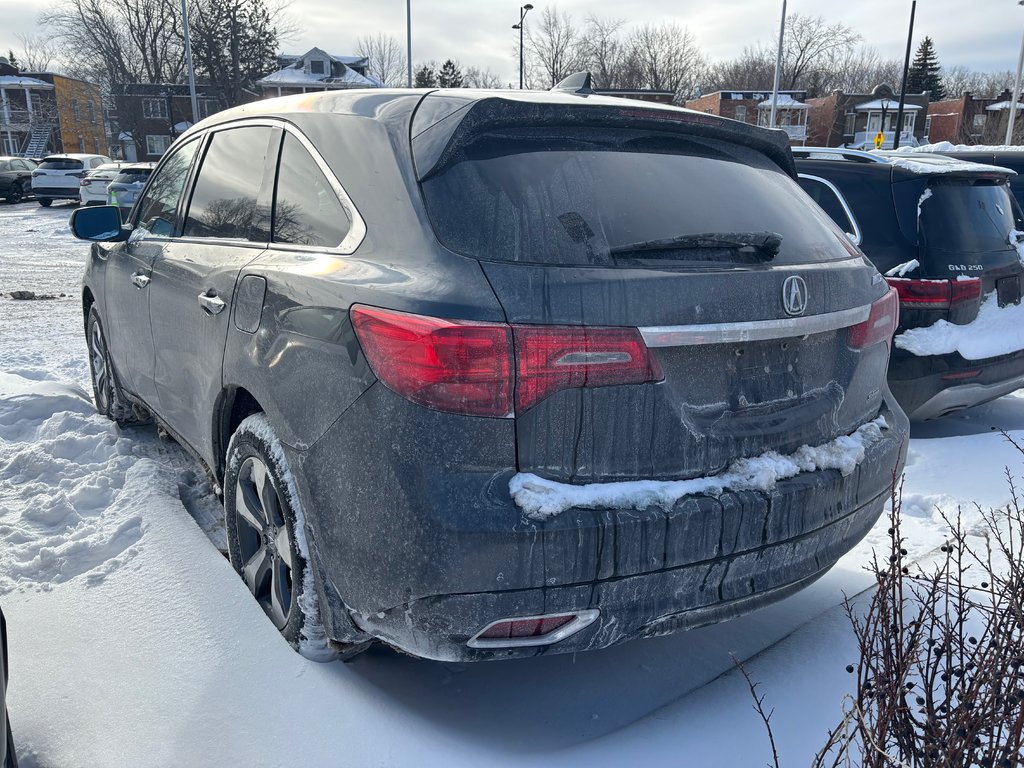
x=967 y=215
x=577 y=196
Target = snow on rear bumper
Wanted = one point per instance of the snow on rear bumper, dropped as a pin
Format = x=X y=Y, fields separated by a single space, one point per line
x=654 y=571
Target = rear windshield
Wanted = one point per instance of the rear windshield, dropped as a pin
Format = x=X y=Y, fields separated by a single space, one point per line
x=580 y=196
x=61 y=164
x=128 y=177
x=967 y=215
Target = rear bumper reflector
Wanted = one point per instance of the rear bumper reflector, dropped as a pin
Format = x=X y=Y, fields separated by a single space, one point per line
x=757 y=330
x=521 y=632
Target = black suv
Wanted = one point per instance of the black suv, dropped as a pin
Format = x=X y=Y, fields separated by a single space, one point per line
x=944 y=232
x=1012 y=159
x=429 y=342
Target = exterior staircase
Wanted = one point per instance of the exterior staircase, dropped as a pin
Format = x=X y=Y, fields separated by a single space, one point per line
x=37 y=141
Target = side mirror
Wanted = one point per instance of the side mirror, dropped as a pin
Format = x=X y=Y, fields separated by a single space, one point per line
x=101 y=223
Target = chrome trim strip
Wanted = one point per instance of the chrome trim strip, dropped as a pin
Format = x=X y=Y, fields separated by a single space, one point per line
x=756 y=330
x=842 y=202
x=583 y=620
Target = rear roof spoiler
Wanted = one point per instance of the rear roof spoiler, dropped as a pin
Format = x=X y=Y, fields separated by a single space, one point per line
x=437 y=145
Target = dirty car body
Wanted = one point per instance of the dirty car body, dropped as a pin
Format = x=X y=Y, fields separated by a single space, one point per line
x=515 y=290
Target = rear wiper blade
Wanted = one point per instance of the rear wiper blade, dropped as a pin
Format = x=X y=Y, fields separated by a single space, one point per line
x=765 y=244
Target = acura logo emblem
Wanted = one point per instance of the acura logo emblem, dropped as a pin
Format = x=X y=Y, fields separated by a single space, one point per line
x=794 y=295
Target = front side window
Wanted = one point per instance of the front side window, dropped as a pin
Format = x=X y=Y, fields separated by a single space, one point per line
x=306 y=208
x=224 y=202
x=157 y=145
x=158 y=208
x=5 y=165
x=154 y=108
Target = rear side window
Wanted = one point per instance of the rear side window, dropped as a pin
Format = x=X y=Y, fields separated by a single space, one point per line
x=61 y=164
x=306 y=208
x=967 y=215
x=587 y=196
x=228 y=186
x=158 y=208
x=827 y=198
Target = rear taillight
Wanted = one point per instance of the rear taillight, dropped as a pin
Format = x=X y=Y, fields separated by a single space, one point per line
x=494 y=369
x=550 y=358
x=450 y=365
x=880 y=325
x=936 y=294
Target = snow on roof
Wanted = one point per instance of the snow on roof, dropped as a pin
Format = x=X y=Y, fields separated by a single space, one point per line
x=934 y=164
x=294 y=75
x=17 y=81
x=1001 y=105
x=946 y=146
x=890 y=104
x=785 y=100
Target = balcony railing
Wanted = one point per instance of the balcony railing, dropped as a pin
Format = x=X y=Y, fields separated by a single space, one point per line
x=795 y=131
x=22 y=119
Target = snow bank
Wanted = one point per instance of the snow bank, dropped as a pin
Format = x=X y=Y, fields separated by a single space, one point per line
x=1016 y=239
x=995 y=331
x=541 y=499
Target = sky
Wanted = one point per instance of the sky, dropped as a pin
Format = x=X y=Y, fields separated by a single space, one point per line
x=981 y=34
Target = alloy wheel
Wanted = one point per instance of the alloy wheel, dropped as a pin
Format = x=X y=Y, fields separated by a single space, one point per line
x=100 y=369
x=264 y=541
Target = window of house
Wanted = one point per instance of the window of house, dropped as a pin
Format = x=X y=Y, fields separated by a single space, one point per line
x=157 y=145
x=909 y=119
x=874 y=122
x=96 y=144
x=81 y=143
x=207 y=107
x=927 y=125
x=851 y=123
x=306 y=208
x=92 y=111
x=741 y=114
x=154 y=108
x=979 y=121
x=158 y=209
x=224 y=201
x=76 y=109
x=316 y=66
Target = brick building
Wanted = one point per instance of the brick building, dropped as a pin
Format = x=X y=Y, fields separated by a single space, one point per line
x=147 y=117
x=755 y=107
x=854 y=119
x=973 y=120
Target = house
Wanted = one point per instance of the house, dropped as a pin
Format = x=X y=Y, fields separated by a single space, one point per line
x=44 y=112
x=854 y=119
x=755 y=107
x=972 y=120
x=317 y=70
x=147 y=117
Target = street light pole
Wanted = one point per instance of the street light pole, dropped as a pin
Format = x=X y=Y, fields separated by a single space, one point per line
x=778 y=67
x=903 y=89
x=1016 y=91
x=408 y=42
x=188 y=63
x=523 y=10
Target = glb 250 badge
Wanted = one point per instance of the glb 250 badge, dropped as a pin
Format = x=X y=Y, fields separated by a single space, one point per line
x=965 y=267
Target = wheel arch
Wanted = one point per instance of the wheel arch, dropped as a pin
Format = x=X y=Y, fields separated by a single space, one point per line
x=234 y=404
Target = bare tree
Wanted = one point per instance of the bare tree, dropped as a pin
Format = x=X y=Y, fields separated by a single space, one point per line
x=37 y=52
x=385 y=57
x=554 y=48
x=605 y=51
x=811 y=44
x=475 y=77
x=664 y=57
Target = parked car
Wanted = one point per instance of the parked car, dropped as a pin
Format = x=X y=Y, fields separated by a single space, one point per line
x=92 y=189
x=58 y=176
x=15 y=178
x=125 y=188
x=1012 y=159
x=429 y=373
x=943 y=231
x=7 y=756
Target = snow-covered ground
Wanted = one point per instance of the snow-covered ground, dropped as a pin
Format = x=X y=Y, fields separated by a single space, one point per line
x=134 y=644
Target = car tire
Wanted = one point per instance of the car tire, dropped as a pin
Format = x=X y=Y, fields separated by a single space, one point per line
x=45 y=202
x=267 y=539
x=107 y=394
x=16 y=193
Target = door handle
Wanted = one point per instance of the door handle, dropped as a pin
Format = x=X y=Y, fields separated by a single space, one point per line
x=211 y=303
x=140 y=280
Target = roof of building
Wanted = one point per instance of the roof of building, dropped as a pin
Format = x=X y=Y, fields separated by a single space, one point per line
x=341 y=75
x=18 y=81
x=1002 y=105
x=889 y=104
x=786 y=101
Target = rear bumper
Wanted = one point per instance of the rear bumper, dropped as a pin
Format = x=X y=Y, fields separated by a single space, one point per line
x=424 y=556
x=931 y=387
x=68 y=193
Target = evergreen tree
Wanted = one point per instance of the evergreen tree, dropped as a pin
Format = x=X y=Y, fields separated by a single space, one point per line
x=234 y=43
x=925 y=74
x=450 y=75
x=425 y=77
x=12 y=58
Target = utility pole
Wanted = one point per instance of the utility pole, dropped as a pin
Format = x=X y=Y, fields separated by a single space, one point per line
x=903 y=88
x=188 y=63
x=778 y=67
x=1016 y=92
x=523 y=10
x=408 y=42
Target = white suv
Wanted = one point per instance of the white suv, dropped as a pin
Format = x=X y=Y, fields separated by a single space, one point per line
x=58 y=176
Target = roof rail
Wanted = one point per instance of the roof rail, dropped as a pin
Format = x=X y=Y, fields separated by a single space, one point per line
x=856 y=155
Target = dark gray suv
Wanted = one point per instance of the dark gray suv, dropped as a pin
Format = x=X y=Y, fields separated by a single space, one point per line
x=492 y=374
